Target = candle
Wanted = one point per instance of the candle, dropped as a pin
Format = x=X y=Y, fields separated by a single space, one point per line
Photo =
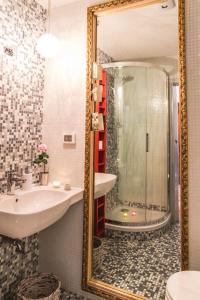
x=56 y=184
x=133 y=213
x=67 y=186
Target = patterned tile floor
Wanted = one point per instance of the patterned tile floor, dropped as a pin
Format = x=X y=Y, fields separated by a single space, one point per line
x=71 y=296
x=142 y=267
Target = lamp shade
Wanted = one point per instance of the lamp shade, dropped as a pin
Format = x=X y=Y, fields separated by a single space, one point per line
x=47 y=45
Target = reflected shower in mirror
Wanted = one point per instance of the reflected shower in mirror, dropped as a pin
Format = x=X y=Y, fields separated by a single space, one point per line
x=136 y=232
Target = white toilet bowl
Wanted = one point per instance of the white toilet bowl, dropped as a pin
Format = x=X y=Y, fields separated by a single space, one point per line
x=183 y=286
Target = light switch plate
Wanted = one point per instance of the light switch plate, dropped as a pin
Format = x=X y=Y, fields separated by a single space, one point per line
x=69 y=138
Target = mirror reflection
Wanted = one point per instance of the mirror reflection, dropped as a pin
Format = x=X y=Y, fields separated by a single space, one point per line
x=136 y=232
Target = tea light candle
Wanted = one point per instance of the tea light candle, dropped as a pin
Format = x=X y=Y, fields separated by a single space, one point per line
x=56 y=184
x=133 y=214
x=67 y=186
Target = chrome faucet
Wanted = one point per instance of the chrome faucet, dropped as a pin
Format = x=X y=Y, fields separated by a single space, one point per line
x=11 y=180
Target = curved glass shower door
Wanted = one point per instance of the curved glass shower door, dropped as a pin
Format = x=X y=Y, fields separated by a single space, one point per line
x=131 y=98
x=141 y=120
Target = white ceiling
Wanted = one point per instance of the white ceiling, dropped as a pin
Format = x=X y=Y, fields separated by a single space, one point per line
x=139 y=33
x=55 y=3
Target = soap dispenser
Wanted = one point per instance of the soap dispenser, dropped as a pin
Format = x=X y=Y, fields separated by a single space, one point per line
x=27 y=176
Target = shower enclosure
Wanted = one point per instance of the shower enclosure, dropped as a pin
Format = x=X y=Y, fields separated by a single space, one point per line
x=138 y=146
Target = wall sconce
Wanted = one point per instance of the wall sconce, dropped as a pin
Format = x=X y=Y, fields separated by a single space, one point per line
x=48 y=44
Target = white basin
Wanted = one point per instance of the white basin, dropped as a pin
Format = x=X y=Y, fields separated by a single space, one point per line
x=32 y=211
x=103 y=184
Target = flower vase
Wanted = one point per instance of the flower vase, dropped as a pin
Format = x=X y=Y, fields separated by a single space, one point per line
x=44 y=178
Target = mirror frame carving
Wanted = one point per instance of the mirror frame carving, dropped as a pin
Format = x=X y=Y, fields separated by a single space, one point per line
x=90 y=284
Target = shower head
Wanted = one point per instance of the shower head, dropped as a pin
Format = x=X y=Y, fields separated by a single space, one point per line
x=168 y=4
x=127 y=79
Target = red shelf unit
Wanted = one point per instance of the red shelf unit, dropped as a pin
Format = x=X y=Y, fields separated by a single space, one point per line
x=100 y=162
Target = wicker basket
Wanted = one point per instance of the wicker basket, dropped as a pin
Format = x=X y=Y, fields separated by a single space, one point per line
x=43 y=286
x=97 y=253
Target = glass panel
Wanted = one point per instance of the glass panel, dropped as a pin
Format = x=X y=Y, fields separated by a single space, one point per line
x=130 y=95
x=131 y=99
x=137 y=144
x=157 y=157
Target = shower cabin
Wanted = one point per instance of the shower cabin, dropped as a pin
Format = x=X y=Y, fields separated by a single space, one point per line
x=138 y=146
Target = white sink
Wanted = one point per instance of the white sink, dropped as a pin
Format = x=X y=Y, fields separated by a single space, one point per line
x=104 y=184
x=32 y=211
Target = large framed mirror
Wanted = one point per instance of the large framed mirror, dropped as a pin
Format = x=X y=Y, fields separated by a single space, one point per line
x=136 y=178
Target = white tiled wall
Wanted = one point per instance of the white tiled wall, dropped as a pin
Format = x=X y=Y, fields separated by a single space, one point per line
x=65 y=111
x=64 y=105
x=193 y=88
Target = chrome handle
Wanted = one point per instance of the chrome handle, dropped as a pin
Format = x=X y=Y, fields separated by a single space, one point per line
x=147 y=142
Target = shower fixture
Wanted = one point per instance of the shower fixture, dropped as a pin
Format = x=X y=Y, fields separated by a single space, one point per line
x=48 y=44
x=138 y=102
x=127 y=78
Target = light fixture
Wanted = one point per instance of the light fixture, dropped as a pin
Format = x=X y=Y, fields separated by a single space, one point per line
x=48 y=44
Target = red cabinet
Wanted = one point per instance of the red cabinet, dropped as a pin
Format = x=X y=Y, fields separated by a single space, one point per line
x=100 y=162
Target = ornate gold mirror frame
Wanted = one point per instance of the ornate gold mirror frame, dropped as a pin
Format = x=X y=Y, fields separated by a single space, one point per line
x=88 y=283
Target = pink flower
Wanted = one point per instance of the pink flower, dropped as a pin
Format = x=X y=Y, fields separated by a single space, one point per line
x=42 y=148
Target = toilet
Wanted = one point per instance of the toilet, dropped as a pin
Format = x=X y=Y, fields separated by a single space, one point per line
x=183 y=286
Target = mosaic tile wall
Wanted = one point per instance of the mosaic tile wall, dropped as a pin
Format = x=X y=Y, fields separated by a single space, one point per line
x=139 y=236
x=21 y=98
x=112 y=154
x=102 y=57
x=15 y=265
x=21 y=84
